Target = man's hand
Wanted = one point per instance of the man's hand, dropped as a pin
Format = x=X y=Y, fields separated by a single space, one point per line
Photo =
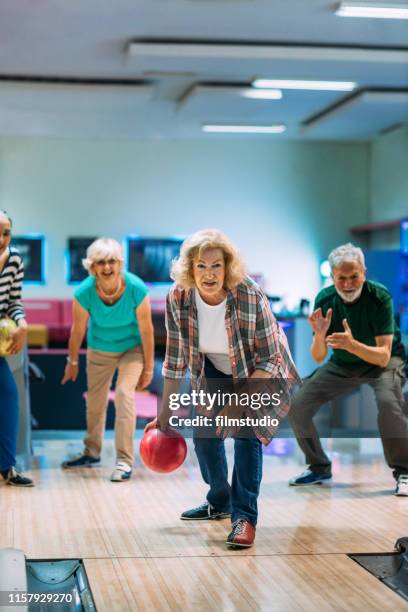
x=319 y=323
x=341 y=340
x=71 y=373
x=17 y=340
x=145 y=379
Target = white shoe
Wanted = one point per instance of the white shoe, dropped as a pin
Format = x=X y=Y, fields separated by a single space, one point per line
x=121 y=472
x=402 y=485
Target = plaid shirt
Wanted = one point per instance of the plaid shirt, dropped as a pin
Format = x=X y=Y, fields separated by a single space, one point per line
x=255 y=339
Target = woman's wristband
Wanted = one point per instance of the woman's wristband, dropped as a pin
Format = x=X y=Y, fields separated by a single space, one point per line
x=71 y=361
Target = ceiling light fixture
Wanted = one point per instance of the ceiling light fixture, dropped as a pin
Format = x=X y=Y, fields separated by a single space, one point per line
x=262 y=94
x=304 y=84
x=376 y=10
x=244 y=129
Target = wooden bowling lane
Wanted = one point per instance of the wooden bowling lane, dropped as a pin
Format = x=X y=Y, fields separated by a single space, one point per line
x=140 y=556
x=6 y=520
x=351 y=515
x=55 y=519
x=80 y=513
x=325 y=583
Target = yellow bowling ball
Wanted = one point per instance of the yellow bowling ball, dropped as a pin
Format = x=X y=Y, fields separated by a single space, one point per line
x=7 y=327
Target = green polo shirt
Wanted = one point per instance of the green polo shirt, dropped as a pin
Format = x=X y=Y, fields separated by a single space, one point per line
x=370 y=316
x=112 y=328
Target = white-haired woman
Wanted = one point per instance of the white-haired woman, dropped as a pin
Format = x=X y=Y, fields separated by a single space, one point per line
x=115 y=308
x=220 y=326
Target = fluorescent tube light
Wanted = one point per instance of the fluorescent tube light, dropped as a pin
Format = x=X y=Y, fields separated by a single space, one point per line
x=312 y=85
x=262 y=94
x=244 y=129
x=374 y=10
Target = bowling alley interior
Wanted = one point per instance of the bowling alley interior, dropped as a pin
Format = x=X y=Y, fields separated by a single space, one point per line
x=283 y=128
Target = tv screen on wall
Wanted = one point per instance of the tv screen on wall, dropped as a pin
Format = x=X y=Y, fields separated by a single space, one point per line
x=150 y=258
x=31 y=249
x=76 y=253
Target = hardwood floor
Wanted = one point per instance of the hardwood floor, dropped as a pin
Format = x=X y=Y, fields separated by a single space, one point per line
x=140 y=556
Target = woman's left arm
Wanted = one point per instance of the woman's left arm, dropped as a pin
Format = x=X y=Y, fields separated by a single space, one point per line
x=16 y=312
x=144 y=319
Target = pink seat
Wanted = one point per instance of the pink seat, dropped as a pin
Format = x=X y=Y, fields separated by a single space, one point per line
x=49 y=313
x=66 y=307
x=46 y=312
x=145 y=403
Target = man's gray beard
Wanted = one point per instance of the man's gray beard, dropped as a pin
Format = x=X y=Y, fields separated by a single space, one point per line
x=350 y=297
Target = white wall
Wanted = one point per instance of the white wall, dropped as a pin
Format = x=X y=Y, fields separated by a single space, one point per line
x=389 y=184
x=284 y=204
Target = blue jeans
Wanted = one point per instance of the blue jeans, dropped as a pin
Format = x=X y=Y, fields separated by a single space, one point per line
x=241 y=497
x=8 y=416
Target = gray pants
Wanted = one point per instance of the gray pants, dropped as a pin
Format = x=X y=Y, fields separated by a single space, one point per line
x=332 y=381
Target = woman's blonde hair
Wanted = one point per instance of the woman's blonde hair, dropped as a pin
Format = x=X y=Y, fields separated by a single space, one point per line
x=102 y=248
x=194 y=246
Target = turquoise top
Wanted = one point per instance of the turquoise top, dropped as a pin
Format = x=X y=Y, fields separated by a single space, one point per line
x=113 y=329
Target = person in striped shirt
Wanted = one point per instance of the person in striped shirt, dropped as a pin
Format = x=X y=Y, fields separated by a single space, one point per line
x=220 y=326
x=11 y=276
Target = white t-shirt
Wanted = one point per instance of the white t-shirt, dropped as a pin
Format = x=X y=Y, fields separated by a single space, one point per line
x=212 y=333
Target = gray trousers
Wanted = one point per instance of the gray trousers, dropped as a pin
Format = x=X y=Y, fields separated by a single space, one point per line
x=332 y=381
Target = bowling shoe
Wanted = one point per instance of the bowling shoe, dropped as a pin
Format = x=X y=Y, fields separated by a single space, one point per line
x=81 y=460
x=205 y=512
x=15 y=479
x=242 y=534
x=402 y=485
x=308 y=477
x=121 y=472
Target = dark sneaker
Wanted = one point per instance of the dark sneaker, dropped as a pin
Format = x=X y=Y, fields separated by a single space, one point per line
x=242 y=534
x=15 y=479
x=80 y=461
x=205 y=512
x=122 y=472
x=308 y=477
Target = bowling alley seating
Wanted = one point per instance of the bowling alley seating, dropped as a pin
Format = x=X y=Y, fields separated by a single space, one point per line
x=145 y=404
x=37 y=335
x=49 y=321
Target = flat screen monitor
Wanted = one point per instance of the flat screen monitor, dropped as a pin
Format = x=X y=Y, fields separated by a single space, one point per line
x=150 y=258
x=77 y=247
x=31 y=249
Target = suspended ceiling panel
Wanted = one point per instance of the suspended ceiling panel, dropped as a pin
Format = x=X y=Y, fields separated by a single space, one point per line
x=177 y=47
x=71 y=110
x=362 y=117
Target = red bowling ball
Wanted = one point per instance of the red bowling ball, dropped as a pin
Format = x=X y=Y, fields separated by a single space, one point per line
x=162 y=452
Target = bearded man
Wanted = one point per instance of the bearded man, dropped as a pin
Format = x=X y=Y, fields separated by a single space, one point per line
x=353 y=317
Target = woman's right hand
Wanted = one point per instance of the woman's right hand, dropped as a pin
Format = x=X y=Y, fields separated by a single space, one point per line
x=160 y=422
x=152 y=425
x=71 y=373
